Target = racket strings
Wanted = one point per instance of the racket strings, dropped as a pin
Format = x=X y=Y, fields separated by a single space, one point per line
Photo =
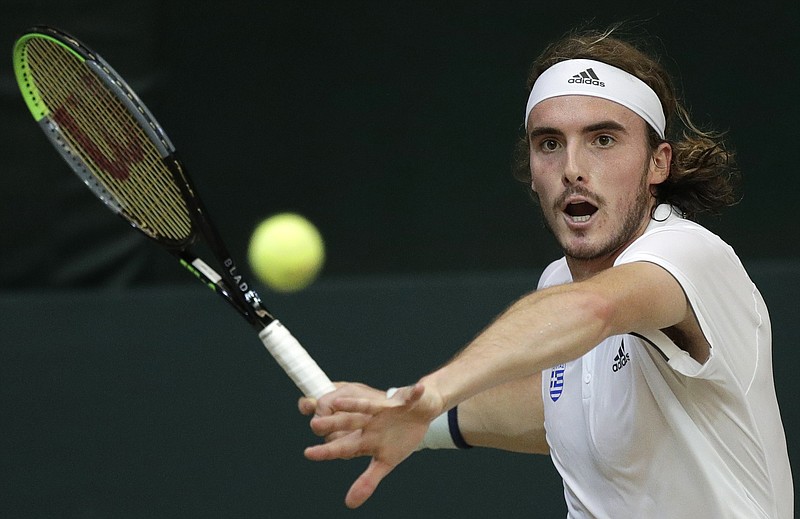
x=110 y=141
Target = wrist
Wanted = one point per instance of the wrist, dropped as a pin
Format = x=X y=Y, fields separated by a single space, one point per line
x=436 y=402
x=443 y=432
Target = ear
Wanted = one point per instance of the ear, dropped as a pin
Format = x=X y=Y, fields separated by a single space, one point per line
x=660 y=162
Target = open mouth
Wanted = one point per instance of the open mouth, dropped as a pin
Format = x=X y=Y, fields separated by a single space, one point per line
x=580 y=211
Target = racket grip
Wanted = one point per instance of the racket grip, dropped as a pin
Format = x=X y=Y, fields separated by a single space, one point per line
x=295 y=360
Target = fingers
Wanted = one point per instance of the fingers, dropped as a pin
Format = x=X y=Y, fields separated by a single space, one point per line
x=327 y=425
x=337 y=416
x=345 y=447
x=361 y=405
x=357 y=420
x=336 y=435
x=348 y=414
x=363 y=488
x=365 y=423
x=307 y=406
x=366 y=484
x=345 y=414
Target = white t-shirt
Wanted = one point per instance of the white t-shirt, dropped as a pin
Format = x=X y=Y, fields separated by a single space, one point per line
x=637 y=428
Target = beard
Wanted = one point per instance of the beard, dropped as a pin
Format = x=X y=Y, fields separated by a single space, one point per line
x=632 y=220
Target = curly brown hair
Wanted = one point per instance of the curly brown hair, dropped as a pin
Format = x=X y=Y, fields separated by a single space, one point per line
x=703 y=174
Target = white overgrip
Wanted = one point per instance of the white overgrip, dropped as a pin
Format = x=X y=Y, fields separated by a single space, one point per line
x=295 y=360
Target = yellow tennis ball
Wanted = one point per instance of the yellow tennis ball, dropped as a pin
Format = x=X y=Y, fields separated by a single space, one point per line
x=286 y=252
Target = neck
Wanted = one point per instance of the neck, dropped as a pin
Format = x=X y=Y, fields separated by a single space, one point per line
x=584 y=268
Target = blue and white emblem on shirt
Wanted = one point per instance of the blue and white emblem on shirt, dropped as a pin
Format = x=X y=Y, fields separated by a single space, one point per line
x=557 y=381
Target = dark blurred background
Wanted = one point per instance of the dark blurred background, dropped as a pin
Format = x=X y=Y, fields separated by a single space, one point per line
x=391 y=126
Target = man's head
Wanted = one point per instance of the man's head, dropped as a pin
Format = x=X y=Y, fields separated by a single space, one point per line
x=596 y=153
x=700 y=172
x=593 y=172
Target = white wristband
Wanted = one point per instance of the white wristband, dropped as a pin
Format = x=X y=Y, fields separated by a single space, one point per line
x=438 y=435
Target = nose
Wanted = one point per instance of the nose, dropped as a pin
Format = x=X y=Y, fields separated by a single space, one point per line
x=574 y=167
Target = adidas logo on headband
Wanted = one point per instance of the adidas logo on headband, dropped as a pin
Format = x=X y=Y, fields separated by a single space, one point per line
x=618 y=86
x=587 y=77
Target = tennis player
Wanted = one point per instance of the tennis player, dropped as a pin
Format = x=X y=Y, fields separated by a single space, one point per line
x=642 y=364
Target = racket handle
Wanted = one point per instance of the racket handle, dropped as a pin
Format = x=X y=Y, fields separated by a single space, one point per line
x=295 y=360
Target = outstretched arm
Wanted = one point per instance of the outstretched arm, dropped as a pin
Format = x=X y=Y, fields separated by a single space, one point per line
x=543 y=329
x=507 y=417
x=558 y=324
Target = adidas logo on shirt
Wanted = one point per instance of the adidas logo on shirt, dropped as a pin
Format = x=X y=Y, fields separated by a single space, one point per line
x=621 y=359
x=587 y=77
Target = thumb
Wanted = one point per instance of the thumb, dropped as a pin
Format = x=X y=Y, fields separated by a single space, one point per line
x=409 y=394
x=363 y=487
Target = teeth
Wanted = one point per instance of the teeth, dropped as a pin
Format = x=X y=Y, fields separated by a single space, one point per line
x=584 y=218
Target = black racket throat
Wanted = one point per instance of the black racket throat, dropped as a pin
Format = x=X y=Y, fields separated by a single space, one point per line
x=231 y=283
x=227 y=281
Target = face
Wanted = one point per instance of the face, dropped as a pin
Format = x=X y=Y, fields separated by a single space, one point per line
x=592 y=170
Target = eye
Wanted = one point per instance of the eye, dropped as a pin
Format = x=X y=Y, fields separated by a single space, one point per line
x=605 y=141
x=549 y=145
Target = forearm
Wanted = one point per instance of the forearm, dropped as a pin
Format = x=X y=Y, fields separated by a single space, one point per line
x=508 y=417
x=543 y=329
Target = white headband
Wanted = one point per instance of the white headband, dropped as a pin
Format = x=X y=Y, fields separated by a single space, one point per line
x=586 y=77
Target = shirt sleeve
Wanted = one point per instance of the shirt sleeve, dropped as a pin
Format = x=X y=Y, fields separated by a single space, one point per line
x=716 y=286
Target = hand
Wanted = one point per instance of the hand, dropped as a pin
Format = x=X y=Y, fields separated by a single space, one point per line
x=344 y=422
x=364 y=423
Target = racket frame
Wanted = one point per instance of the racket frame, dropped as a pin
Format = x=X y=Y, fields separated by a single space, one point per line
x=229 y=281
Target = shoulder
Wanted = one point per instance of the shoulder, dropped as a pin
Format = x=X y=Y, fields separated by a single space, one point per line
x=556 y=273
x=671 y=239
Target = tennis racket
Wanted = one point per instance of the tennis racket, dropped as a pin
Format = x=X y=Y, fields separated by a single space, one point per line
x=114 y=144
